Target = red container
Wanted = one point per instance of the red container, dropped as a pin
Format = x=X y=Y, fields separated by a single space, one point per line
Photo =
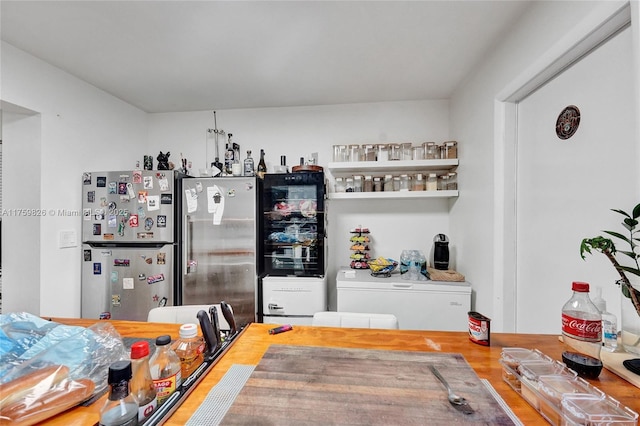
x=479 y=328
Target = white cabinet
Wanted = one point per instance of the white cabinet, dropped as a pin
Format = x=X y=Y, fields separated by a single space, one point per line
x=381 y=168
x=418 y=305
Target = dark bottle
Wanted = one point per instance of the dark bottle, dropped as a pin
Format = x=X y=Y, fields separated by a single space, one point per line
x=121 y=408
x=229 y=156
x=262 y=166
x=283 y=164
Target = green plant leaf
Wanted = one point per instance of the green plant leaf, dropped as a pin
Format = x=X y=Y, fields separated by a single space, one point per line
x=631 y=254
x=636 y=211
x=631 y=223
x=618 y=235
x=634 y=271
x=621 y=212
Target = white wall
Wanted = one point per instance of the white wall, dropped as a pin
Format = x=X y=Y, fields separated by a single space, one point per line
x=81 y=128
x=298 y=132
x=539 y=32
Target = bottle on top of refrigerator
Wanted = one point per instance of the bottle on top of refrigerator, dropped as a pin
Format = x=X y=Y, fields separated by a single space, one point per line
x=262 y=166
x=189 y=348
x=141 y=382
x=581 y=319
x=248 y=165
x=609 y=322
x=229 y=156
x=121 y=407
x=165 y=369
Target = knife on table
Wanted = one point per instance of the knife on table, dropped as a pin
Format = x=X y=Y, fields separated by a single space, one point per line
x=207 y=331
x=213 y=311
x=228 y=315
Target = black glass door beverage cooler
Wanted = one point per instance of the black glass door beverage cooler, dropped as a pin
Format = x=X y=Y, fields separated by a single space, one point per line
x=293 y=224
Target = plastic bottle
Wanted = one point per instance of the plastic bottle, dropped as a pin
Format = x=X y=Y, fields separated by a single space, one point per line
x=609 y=322
x=121 y=407
x=581 y=319
x=248 y=165
x=142 y=386
x=229 y=156
x=262 y=166
x=165 y=369
x=189 y=348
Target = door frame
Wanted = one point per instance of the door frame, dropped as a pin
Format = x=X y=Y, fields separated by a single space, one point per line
x=597 y=28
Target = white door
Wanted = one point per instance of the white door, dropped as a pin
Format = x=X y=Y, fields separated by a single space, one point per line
x=566 y=188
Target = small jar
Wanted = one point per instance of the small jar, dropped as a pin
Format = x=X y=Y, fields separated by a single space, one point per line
x=368 y=184
x=382 y=152
x=377 y=184
x=340 y=185
x=430 y=150
x=406 y=151
x=450 y=150
x=348 y=186
x=432 y=182
x=388 y=183
x=417 y=153
x=418 y=183
x=340 y=153
x=357 y=183
x=396 y=183
x=369 y=152
x=354 y=153
x=443 y=182
x=453 y=181
x=405 y=182
x=395 y=152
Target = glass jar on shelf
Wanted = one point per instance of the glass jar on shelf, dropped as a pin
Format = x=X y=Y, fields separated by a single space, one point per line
x=417 y=153
x=388 y=183
x=431 y=151
x=396 y=183
x=395 y=152
x=348 y=184
x=382 y=152
x=377 y=184
x=354 y=153
x=357 y=183
x=368 y=152
x=452 y=185
x=432 y=182
x=450 y=150
x=443 y=182
x=418 y=183
x=340 y=153
x=368 y=184
x=405 y=182
x=406 y=151
x=340 y=185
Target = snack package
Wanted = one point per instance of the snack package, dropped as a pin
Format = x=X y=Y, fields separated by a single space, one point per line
x=47 y=367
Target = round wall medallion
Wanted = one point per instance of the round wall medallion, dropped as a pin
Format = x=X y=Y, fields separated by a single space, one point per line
x=568 y=122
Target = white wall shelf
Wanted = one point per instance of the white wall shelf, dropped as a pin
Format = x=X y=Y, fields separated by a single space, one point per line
x=405 y=166
x=391 y=195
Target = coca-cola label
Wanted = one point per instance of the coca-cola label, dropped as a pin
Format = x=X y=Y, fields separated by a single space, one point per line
x=581 y=329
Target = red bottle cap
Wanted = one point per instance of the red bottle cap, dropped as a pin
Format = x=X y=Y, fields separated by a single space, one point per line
x=139 y=349
x=580 y=286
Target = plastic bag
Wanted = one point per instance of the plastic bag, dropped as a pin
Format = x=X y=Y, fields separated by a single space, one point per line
x=56 y=359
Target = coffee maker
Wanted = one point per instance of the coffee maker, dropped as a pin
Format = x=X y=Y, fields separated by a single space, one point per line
x=441 y=252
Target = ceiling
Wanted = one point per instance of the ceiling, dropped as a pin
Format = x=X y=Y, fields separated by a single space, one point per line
x=167 y=56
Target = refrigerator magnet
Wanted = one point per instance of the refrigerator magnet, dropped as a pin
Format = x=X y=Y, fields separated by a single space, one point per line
x=122 y=188
x=113 y=188
x=142 y=277
x=133 y=221
x=87 y=255
x=130 y=190
x=166 y=198
x=137 y=176
x=127 y=283
x=161 y=258
x=163 y=183
x=141 y=213
x=97 y=268
x=148 y=182
x=101 y=181
x=97 y=229
x=115 y=300
x=91 y=196
x=142 y=197
x=112 y=221
x=153 y=202
x=114 y=276
x=86 y=178
x=161 y=221
x=148 y=224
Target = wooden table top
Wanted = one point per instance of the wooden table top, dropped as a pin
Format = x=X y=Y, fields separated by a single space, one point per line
x=249 y=348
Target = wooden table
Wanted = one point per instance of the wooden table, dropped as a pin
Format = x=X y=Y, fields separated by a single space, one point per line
x=255 y=340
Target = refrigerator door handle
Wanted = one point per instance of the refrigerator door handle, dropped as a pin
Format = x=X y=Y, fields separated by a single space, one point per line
x=274 y=307
x=187 y=244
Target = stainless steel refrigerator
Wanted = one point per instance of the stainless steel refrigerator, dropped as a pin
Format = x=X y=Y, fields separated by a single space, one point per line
x=218 y=243
x=128 y=243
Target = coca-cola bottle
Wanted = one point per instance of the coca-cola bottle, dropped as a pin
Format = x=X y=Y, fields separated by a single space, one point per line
x=581 y=319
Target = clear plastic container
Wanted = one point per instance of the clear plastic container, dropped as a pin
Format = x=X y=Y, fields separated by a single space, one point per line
x=165 y=369
x=189 y=348
x=405 y=182
x=443 y=182
x=395 y=152
x=511 y=358
x=388 y=183
x=357 y=183
x=340 y=185
x=407 y=152
x=417 y=153
x=396 y=183
x=348 y=184
x=377 y=184
x=418 y=182
x=450 y=150
x=452 y=184
x=368 y=184
x=591 y=410
x=553 y=389
x=432 y=182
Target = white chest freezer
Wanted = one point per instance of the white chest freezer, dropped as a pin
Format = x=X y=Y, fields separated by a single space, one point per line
x=418 y=305
x=293 y=300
